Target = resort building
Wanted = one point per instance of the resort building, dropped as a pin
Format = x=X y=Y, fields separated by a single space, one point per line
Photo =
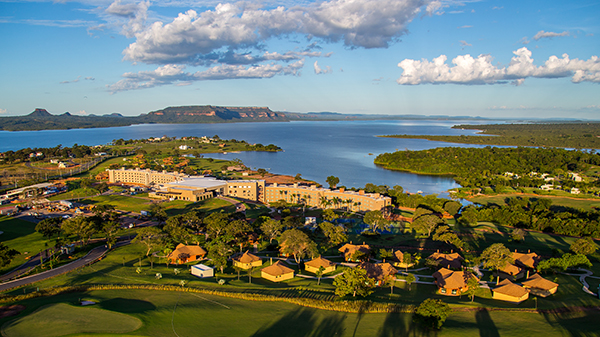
x=398 y=260
x=450 y=261
x=143 y=177
x=380 y=272
x=178 y=186
x=247 y=261
x=202 y=271
x=277 y=272
x=539 y=286
x=314 y=265
x=325 y=198
x=521 y=267
x=508 y=291
x=452 y=283
x=349 y=251
x=184 y=254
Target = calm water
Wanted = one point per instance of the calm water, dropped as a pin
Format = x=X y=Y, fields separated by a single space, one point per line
x=313 y=149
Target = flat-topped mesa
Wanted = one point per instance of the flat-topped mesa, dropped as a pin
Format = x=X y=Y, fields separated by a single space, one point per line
x=215 y=113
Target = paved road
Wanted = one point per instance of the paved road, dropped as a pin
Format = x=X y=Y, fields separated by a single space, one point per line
x=92 y=256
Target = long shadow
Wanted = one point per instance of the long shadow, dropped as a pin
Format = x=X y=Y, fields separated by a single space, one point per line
x=486 y=325
x=575 y=323
x=300 y=322
x=401 y=324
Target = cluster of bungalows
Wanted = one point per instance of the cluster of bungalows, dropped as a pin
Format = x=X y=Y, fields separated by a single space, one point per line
x=452 y=280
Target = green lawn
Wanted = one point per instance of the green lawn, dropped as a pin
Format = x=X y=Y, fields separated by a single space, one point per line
x=75 y=194
x=61 y=319
x=20 y=235
x=566 y=200
x=194 y=314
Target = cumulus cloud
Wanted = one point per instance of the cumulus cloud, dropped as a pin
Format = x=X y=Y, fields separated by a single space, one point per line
x=546 y=35
x=130 y=16
x=3 y=111
x=319 y=70
x=176 y=74
x=480 y=70
x=358 y=23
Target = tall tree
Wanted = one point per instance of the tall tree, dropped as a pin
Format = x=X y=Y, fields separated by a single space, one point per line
x=298 y=244
x=496 y=257
x=216 y=224
x=49 y=227
x=110 y=229
x=79 y=226
x=219 y=253
x=335 y=234
x=426 y=223
x=271 y=228
x=332 y=181
x=432 y=313
x=375 y=220
x=583 y=246
x=151 y=237
x=353 y=281
x=7 y=254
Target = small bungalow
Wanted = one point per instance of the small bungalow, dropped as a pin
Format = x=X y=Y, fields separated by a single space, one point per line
x=185 y=254
x=452 y=283
x=247 y=261
x=380 y=272
x=539 y=286
x=510 y=292
x=449 y=261
x=277 y=272
x=202 y=271
x=314 y=265
x=529 y=260
x=398 y=260
x=511 y=272
x=349 y=250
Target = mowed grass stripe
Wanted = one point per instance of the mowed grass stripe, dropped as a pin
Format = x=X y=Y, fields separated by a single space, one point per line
x=62 y=319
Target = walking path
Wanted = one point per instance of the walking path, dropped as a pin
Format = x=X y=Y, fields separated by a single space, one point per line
x=586 y=286
x=91 y=256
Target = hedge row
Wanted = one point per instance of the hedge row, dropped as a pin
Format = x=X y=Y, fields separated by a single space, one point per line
x=358 y=306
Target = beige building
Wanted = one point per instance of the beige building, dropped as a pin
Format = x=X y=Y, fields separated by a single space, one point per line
x=253 y=190
x=539 y=286
x=314 y=265
x=326 y=198
x=191 y=189
x=508 y=291
x=143 y=177
x=452 y=283
x=277 y=272
x=247 y=261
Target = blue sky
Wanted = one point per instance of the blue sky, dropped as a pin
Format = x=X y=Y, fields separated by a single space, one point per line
x=518 y=59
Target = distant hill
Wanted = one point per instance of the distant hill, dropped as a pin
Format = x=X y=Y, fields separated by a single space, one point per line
x=41 y=119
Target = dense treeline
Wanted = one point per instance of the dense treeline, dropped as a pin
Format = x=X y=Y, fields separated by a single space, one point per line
x=565 y=135
x=477 y=167
x=536 y=214
x=28 y=154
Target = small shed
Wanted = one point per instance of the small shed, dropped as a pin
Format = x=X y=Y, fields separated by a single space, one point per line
x=203 y=271
x=510 y=292
x=277 y=272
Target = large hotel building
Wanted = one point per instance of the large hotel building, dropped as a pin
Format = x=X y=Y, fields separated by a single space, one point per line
x=177 y=186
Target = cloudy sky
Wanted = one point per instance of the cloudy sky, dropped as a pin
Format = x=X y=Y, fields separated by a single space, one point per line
x=477 y=58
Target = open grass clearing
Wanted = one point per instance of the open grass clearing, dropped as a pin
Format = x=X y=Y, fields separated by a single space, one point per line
x=209 y=316
x=20 y=235
x=564 y=200
x=62 y=319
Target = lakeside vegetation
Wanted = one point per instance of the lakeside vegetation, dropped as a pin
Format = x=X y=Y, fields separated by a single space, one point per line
x=561 y=135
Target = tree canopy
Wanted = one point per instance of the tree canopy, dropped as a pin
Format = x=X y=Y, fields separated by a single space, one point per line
x=353 y=281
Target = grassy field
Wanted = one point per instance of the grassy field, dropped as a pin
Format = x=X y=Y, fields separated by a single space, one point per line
x=187 y=314
x=61 y=319
x=565 y=201
x=20 y=235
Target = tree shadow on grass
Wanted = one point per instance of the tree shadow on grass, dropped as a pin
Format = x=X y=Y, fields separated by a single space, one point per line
x=401 y=324
x=577 y=323
x=302 y=322
x=486 y=325
x=127 y=305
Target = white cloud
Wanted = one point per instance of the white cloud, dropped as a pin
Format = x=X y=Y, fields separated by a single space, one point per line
x=480 y=70
x=465 y=26
x=89 y=78
x=73 y=81
x=546 y=35
x=51 y=23
x=3 y=111
x=130 y=16
x=81 y=113
x=176 y=74
x=464 y=44
x=319 y=70
x=192 y=35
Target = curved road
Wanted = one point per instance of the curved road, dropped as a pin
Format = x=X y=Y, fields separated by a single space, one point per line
x=92 y=256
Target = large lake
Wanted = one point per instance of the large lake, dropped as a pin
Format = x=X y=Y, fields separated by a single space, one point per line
x=316 y=150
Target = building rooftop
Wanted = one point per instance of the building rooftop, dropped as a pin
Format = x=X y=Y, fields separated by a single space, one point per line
x=197 y=182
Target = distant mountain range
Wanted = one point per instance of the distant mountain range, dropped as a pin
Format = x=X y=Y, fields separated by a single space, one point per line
x=40 y=119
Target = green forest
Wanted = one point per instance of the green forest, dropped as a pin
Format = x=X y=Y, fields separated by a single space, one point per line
x=564 y=135
x=478 y=167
